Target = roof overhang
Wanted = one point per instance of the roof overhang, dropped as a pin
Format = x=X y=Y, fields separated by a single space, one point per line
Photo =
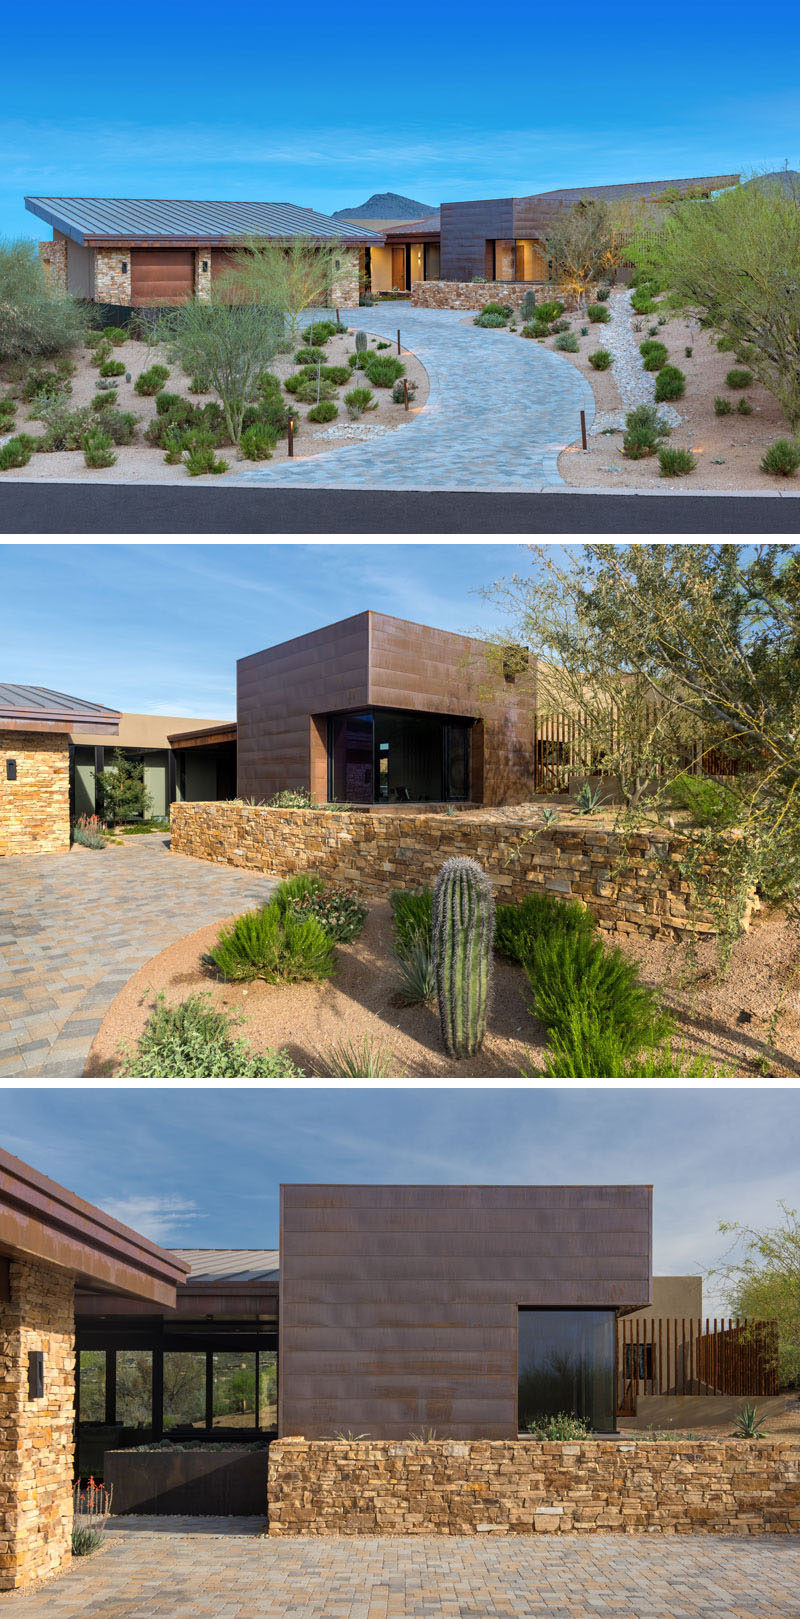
x=71 y=724
x=113 y=239
x=209 y=735
x=42 y=1221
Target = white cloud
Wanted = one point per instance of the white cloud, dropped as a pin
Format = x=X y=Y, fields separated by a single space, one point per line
x=160 y=1218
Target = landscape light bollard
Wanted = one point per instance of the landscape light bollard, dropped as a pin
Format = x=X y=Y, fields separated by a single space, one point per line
x=291 y=436
x=398 y=339
x=584 y=440
x=405 y=392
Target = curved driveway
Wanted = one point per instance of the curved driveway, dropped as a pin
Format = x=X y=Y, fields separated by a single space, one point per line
x=500 y=411
x=74 y=927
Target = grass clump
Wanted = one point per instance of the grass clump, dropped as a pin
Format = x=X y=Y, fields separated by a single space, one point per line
x=598 y=313
x=782 y=458
x=85 y=1540
x=357 y=400
x=324 y=411
x=17 y=452
x=675 y=463
x=359 y=1059
x=722 y=407
x=98 y=448
x=194 y=1040
x=152 y=380
x=654 y=354
x=601 y=359
x=275 y=943
x=670 y=383
x=412 y=916
x=201 y=458
x=567 y=342
x=744 y=408
x=739 y=378
x=644 y=431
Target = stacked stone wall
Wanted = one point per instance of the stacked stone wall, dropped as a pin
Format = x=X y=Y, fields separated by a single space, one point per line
x=34 y=809
x=112 y=284
x=455 y=1487
x=474 y=294
x=344 y=287
x=53 y=256
x=635 y=887
x=36 y=1435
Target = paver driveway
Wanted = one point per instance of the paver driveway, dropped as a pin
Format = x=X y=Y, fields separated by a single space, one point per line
x=500 y=411
x=75 y=926
x=191 y=1576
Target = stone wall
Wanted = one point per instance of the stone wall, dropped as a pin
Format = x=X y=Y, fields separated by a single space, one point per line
x=202 y=277
x=53 y=256
x=34 y=809
x=344 y=287
x=466 y=1487
x=474 y=294
x=637 y=889
x=36 y=1436
x=112 y=284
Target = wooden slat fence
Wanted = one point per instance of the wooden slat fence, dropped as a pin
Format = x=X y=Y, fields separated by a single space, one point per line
x=562 y=747
x=674 y=1355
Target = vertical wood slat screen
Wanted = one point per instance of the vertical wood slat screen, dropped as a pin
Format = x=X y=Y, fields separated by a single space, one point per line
x=561 y=750
x=672 y=1356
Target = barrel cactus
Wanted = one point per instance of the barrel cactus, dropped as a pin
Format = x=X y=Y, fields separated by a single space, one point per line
x=529 y=305
x=463 y=934
x=361 y=342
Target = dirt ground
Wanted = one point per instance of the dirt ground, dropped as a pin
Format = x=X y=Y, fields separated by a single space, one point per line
x=784 y=1425
x=142 y=463
x=728 y=1017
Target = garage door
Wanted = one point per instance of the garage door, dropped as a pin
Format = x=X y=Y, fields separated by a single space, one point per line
x=162 y=275
x=223 y=263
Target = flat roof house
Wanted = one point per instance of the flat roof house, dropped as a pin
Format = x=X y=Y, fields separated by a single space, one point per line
x=184 y=760
x=134 y=252
x=36 y=728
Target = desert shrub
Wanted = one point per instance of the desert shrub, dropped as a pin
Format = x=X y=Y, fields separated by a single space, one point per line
x=174 y=444
x=384 y=372
x=38 y=382
x=357 y=400
x=339 y=911
x=8 y=412
x=337 y=374
x=359 y=1059
x=744 y=408
x=537 y=916
x=120 y=425
x=412 y=915
x=304 y=387
x=675 y=463
x=782 y=458
x=98 y=450
x=654 y=354
x=709 y=802
x=105 y=401
x=601 y=359
x=268 y=386
x=561 y=326
x=274 y=944
x=180 y=409
x=549 y=310
x=85 y=1540
x=112 y=368
x=32 y=320
x=258 y=442
x=17 y=451
x=642 y=301
x=722 y=407
x=644 y=430
x=64 y=428
x=195 y=1041
x=116 y=335
x=416 y=972
x=688 y=351
x=201 y=458
x=324 y=411
x=603 y=294
x=593 y=1048
x=270 y=412
x=737 y=377
x=564 y=1425
x=106 y=385
x=567 y=342
x=598 y=312
x=319 y=334
x=101 y=351
x=670 y=383
x=199 y=385
x=152 y=380
x=309 y=356
x=495 y=308
x=585 y=994
x=490 y=320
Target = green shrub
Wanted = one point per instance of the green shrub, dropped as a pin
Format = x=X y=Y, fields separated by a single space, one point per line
x=181 y=410
x=121 y=425
x=116 y=335
x=363 y=1059
x=642 y=303
x=39 y=382
x=594 y=1049
x=195 y=1041
x=268 y=386
x=739 y=378
x=603 y=294
x=709 y=802
x=416 y=973
x=675 y=463
x=17 y=451
x=398 y=391
x=537 y=916
x=309 y=356
x=105 y=401
x=384 y=372
x=318 y=334
x=782 y=458
x=32 y=320
x=412 y=915
x=495 y=308
x=112 y=368
x=670 y=383
x=567 y=342
x=324 y=411
x=358 y=400
x=744 y=407
x=98 y=448
x=200 y=458
x=275 y=945
x=590 y=998
x=152 y=380
x=258 y=442
x=654 y=354
x=722 y=407
x=174 y=445
x=304 y=387
x=199 y=385
x=601 y=359
x=598 y=312
x=337 y=374
x=644 y=430
x=101 y=352
x=563 y=1426
x=549 y=311
x=338 y=910
x=490 y=320
x=561 y=326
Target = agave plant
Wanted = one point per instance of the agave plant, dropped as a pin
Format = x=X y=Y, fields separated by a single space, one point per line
x=748 y=1424
x=588 y=799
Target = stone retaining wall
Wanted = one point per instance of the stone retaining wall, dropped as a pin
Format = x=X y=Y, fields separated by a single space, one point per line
x=474 y=294
x=455 y=1487
x=34 y=809
x=638 y=889
x=36 y=1435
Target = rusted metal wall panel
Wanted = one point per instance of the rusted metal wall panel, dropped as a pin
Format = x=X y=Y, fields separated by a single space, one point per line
x=399 y=1303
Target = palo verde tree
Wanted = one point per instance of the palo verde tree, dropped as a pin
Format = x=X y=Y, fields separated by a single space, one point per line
x=733 y=261
x=760 y=1276
x=229 y=344
x=293 y=275
x=33 y=320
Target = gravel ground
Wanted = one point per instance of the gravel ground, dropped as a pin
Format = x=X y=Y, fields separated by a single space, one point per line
x=728 y=1017
x=141 y=463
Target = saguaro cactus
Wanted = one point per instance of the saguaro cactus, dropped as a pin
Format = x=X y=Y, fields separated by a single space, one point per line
x=463 y=934
x=361 y=342
x=529 y=304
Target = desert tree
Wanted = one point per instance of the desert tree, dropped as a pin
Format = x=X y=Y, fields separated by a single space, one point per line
x=760 y=1276
x=230 y=344
x=295 y=274
x=34 y=320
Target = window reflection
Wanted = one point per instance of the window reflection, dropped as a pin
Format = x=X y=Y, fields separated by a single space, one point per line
x=567 y=1362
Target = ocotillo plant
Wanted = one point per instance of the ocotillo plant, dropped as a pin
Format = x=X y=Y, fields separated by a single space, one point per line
x=361 y=342
x=463 y=934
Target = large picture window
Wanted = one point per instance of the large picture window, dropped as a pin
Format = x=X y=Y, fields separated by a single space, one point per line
x=567 y=1362
x=388 y=756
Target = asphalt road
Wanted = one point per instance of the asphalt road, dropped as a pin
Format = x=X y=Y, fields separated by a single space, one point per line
x=66 y=508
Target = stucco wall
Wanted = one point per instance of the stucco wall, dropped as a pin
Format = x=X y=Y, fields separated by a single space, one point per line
x=34 y=809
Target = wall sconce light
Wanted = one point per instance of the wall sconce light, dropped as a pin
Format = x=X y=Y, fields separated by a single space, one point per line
x=11 y=769
x=205 y=266
x=35 y=1374
x=124 y=266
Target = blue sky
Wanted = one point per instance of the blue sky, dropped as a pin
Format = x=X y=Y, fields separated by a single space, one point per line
x=324 y=105
x=157 y=629
x=202 y=1168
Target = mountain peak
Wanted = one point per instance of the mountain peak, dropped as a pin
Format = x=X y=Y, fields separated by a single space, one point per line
x=386 y=205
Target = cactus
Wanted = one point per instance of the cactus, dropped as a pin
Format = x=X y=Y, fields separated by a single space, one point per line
x=361 y=342
x=463 y=934
x=529 y=305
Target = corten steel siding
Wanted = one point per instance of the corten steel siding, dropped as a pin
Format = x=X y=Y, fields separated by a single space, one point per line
x=377 y=660
x=161 y=275
x=398 y=1304
x=465 y=229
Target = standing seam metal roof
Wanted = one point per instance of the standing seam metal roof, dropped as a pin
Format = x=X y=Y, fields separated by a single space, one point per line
x=39 y=700
x=230 y=1264
x=86 y=219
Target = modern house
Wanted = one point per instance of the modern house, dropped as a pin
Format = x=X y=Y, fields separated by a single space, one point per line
x=379 y=710
x=36 y=731
x=183 y=760
x=136 y=252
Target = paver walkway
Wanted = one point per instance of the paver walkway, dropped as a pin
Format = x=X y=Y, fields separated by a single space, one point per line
x=75 y=926
x=499 y=413
x=148 y=1576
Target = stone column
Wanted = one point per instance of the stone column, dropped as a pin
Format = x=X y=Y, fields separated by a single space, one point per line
x=112 y=284
x=34 y=801
x=202 y=277
x=36 y=1435
x=344 y=284
x=53 y=256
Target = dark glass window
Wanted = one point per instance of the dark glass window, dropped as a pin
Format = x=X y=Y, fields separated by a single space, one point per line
x=234 y=1389
x=92 y=1386
x=135 y=1388
x=567 y=1362
x=350 y=749
x=386 y=756
x=184 y=1389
